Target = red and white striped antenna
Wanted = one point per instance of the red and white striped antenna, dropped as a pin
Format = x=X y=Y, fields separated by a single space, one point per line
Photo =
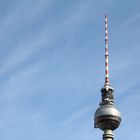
x=107 y=83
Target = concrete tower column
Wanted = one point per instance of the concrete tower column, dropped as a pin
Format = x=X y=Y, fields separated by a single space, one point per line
x=108 y=135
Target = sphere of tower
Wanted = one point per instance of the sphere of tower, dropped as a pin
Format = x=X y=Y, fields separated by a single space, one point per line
x=107 y=117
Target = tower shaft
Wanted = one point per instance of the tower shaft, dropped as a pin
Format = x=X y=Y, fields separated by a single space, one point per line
x=108 y=135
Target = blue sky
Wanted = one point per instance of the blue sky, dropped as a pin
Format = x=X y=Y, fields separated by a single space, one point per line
x=52 y=67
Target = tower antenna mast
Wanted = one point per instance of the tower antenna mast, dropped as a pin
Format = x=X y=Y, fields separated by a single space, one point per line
x=107 y=83
x=107 y=117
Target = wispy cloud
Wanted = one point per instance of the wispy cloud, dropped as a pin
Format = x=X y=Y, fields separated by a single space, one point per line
x=50 y=70
x=132 y=19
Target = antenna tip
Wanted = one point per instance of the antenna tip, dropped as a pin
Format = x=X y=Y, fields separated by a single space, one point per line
x=106 y=17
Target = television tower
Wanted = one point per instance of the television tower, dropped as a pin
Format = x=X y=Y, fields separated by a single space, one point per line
x=107 y=117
